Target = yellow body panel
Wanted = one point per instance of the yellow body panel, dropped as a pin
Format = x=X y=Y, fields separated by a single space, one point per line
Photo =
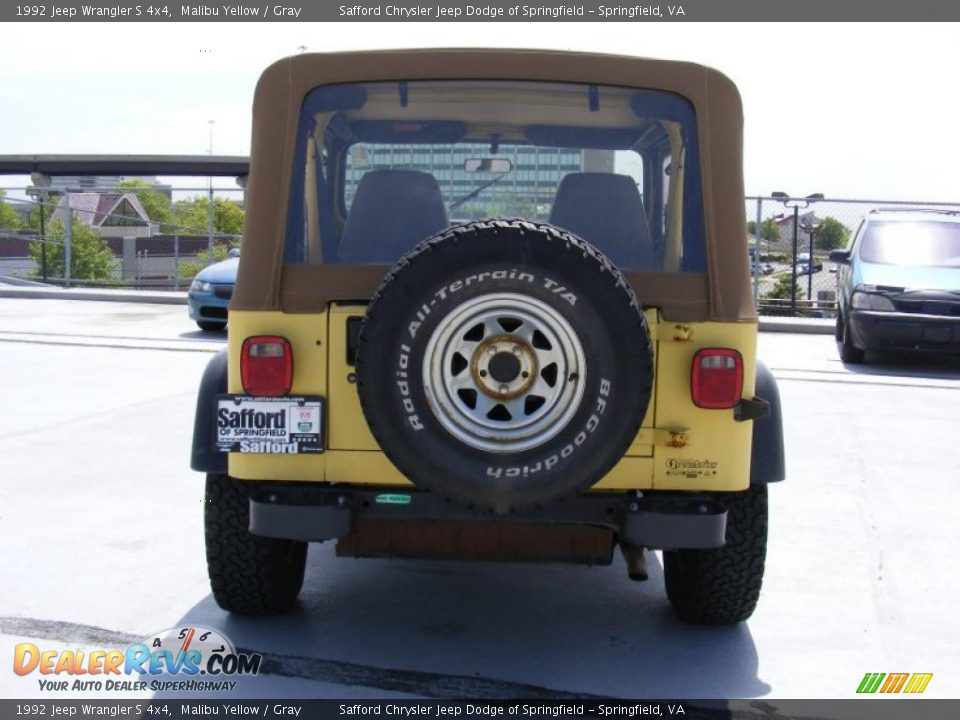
x=350 y=431
x=679 y=447
x=308 y=337
x=717 y=452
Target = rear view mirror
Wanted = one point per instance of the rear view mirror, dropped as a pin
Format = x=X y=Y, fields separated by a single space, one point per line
x=840 y=256
x=497 y=166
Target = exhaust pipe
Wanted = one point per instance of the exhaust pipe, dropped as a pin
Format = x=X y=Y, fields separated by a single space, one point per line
x=635 y=560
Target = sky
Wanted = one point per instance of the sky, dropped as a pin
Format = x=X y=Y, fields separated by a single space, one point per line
x=850 y=110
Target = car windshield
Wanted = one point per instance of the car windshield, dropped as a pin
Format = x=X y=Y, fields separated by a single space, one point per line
x=381 y=166
x=917 y=243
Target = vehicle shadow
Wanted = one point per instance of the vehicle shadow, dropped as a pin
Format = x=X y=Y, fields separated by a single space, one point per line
x=489 y=631
x=209 y=335
x=906 y=364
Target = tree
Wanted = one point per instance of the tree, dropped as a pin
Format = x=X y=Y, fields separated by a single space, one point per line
x=769 y=230
x=831 y=234
x=90 y=256
x=157 y=205
x=781 y=290
x=9 y=219
x=191 y=216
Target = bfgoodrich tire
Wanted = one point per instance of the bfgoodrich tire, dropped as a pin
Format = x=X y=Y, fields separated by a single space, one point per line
x=722 y=586
x=504 y=364
x=249 y=574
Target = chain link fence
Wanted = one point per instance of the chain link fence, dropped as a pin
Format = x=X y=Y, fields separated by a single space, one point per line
x=127 y=238
x=124 y=238
x=790 y=242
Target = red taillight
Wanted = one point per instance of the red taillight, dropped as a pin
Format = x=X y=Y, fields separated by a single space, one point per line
x=716 y=380
x=266 y=366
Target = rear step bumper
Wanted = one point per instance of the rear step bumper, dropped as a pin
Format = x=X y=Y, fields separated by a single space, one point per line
x=657 y=520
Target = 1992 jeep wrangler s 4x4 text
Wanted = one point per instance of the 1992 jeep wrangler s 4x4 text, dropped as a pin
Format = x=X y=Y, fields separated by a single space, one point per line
x=492 y=305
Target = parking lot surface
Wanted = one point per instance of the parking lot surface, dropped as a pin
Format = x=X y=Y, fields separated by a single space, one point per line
x=101 y=529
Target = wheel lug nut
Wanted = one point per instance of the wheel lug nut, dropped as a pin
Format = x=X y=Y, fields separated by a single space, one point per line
x=516 y=350
x=503 y=388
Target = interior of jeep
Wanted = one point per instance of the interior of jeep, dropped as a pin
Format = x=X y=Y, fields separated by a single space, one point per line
x=382 y=166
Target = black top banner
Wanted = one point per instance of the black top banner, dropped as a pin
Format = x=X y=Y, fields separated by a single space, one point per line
x=482 y=11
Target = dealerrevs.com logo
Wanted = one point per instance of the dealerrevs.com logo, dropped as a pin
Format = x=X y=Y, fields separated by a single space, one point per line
x=179 y=659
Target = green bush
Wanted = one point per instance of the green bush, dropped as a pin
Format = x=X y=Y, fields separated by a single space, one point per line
x=781 y=290
x=90 y=256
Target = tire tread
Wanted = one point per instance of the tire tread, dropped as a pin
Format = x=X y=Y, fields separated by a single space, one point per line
x=722 y=586
x=248 y=574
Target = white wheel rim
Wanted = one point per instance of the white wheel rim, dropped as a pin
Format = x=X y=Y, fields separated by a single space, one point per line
x=504 y=372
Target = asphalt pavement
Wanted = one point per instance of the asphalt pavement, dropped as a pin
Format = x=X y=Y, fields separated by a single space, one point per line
x=101 y=530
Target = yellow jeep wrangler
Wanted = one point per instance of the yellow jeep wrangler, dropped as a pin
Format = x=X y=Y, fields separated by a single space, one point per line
x=492 y=305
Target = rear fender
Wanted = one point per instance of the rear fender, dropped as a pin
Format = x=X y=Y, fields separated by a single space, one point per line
x=767 y=457
x=204 y=456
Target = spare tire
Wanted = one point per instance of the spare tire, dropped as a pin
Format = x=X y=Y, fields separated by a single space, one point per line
x=504 y=364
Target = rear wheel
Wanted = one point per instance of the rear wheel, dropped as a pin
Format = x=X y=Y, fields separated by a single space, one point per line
x=722 y=586
x=248 y=574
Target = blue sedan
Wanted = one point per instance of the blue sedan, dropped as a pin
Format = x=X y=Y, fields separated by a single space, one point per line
x=210 y=294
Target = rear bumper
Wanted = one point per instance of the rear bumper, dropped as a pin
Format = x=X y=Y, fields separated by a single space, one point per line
x=655 y=520
x=904 y=331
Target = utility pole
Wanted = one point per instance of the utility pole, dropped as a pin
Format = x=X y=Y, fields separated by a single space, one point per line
x=42 y=183
x=43 y=238
x=67 y=241
x=210 y=199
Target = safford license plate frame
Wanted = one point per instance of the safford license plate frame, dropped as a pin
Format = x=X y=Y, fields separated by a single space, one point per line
x=286 y=425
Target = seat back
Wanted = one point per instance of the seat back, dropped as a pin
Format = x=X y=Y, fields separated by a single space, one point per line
x=606 y=210
x=392 y=211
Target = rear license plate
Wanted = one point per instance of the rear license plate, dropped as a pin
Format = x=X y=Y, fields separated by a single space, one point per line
x=274 y=426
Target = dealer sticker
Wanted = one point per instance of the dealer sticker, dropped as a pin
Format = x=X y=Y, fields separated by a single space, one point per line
x=267 y=425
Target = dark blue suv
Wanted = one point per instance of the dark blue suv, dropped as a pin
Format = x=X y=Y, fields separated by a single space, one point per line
x=899 y=284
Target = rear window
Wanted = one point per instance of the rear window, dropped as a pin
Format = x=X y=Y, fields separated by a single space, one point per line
x=381 y=166
x=921 y=243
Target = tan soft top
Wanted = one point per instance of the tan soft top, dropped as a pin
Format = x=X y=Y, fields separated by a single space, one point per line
x=723 y=293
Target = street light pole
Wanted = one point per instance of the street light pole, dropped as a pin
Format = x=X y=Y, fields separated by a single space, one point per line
x=793 y=283
x=812 y=229
x=796 y=204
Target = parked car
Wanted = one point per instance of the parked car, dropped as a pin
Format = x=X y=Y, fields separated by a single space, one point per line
x=542 y=389
x=210 y=293
x=900 y=284
x=803 y=264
